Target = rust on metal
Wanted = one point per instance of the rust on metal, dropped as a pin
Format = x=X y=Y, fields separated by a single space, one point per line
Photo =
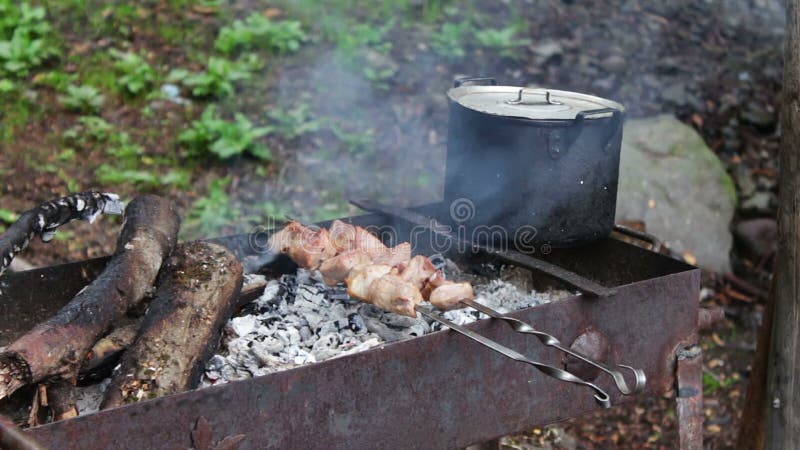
x=439 y=390
x=690 y=398
x=593 y=344
x=709 y=316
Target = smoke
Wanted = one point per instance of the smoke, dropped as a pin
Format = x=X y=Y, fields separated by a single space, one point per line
x=385 y=138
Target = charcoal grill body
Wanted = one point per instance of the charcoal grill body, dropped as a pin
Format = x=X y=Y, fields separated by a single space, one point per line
x=436 y=391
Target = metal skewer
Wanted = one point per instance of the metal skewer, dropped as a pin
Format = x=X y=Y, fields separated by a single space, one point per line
x=600 y=395
x=550 y=341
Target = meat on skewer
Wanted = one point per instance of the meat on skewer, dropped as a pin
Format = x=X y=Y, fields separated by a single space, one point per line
x=386 y=277
x=417 y=270
x=306 y=246
x=358 y=282
x=449 y=295
x=392 y=293
x=337 y=268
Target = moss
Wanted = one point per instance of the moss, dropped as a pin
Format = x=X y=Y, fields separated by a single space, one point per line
x=729 y=186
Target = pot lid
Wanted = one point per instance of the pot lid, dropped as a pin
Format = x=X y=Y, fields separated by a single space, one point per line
x=529 y=103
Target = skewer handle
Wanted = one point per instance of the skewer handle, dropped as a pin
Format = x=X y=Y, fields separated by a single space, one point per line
x=600 y=395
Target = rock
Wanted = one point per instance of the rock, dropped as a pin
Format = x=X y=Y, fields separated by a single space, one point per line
x=678 y=95
x=547 y=49
x=614 y=63
x=763 y=202
x=672 y=181
x=744 y=179
x=758 y=236
x=760 y=118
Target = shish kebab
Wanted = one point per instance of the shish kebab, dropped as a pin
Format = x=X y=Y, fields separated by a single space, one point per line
x=388 y=278
x=393 y=280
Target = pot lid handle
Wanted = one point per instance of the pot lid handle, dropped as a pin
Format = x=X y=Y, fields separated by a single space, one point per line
x=458 y=82
x=547 y=99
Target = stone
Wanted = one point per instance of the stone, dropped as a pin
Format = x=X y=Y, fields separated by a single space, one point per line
x=759 y=117
x=759 y=237
x=763 y=202
x=675 y=184
x=679 y=95
x=615 y=63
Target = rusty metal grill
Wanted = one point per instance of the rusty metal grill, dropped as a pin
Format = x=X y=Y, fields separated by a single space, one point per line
x=440 y=390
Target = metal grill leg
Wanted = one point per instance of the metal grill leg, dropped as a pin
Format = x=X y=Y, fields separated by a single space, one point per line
x=690 y=398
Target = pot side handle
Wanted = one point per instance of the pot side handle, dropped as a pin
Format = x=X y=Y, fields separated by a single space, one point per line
x=616 y=119
x=458 y=82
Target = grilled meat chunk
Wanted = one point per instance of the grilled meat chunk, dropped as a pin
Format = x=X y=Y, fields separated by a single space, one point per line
x=417 y=270
x=336 y=269
x=433 y=282
x=449 y=294
x=392 y=293
x=286 y=238
x=401 y=253
x=343 y=236
x=359 y=281
x=306 y=246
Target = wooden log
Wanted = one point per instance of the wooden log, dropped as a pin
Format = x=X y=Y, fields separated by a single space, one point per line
x=59 y=345
x=783 y=417
x=106 y=351
x=44 y=219
x=754 y=411
x=196 y=294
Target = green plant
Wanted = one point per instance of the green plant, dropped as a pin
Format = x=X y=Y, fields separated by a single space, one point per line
x=257 y=31
x=7 y=86
x=54 y=79
x=7 y=216
x=212 y=212
x=84 y=98
x=451 y=39
x=224 y=138
x=365 y=35
x=89 y=129
x=136 y=74
x=356 y=143
x=504 y=40
x=273 y=210
x=25 y=38
x=293 y=123
x=216 y=81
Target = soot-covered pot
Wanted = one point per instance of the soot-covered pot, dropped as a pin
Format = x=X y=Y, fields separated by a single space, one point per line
x=538 y=165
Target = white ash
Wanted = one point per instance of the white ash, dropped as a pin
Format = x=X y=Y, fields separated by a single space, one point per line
x=89 y=397
x=299 y=320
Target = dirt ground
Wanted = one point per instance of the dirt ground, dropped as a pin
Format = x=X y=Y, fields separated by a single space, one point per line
x=714 y=64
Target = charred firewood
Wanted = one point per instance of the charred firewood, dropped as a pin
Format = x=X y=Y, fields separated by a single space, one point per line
x=106 y=352
x=44 y=219
x=196 y=294
x=59 y=345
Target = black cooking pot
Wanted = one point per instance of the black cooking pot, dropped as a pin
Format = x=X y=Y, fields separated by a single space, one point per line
x=531 y=166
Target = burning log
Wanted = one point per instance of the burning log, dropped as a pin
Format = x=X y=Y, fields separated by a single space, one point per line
x=107 y=350
x=196 y=295
x=59 y=345
x=45 y=218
